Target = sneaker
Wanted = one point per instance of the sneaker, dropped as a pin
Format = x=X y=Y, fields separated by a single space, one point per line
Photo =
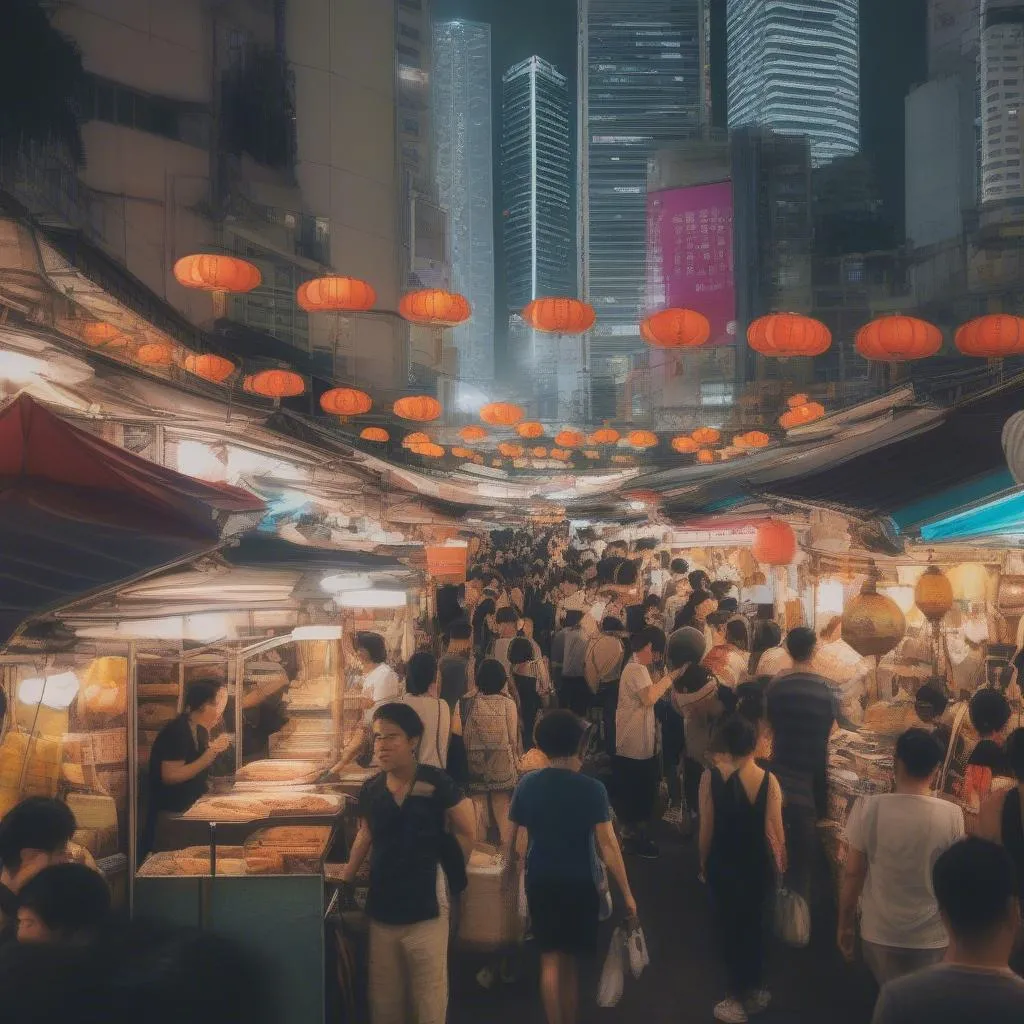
x=673 y=816
x=757 y=1002
x=731 y=1011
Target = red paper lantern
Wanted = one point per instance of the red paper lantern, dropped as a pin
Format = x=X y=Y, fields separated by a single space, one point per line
x=377 y=434
x=510 y=451
x=530 y=430
x=789 y=336
x=501 y=414
x=898 y=339
x=757 y=439
x=472 y=433
x=775 y=543
x=705 y=457
x=684 y=445
x=413 y=439
x=809 y=412
x=706 y=435
x=676 y=328
x=560 y=316
x=336 y=295
x=797 y=400
x=213 y=272
x=418 y=408
x=215 y=369
x=569 y=439
x=155 y=353
x=604 y=436
x=463 y=453
x=992 y=337
x=433 y=307
x=345 y=402
x=275 y=384
x=98 y=333
x=643 y=439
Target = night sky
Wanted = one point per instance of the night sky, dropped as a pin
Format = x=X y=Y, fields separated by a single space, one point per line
x=893 y=47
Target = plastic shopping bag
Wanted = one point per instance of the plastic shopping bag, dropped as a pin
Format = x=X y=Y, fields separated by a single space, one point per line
x=613 y=974
x=604 y=891
x=792 y=918
x=636 y=946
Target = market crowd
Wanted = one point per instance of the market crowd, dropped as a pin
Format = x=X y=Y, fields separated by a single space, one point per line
x=567 y=706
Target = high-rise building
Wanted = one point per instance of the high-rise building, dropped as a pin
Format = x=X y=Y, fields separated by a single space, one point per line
x=641 y=86
x=461 y=115
x=954 y=33
x=538 y=224
x=1002 y=101
x=794 y=67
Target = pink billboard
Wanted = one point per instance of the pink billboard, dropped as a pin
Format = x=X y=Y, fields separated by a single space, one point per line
x=690 y=254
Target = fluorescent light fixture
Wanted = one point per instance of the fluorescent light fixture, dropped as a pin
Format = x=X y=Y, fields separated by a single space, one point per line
x=316 y=633
x=340 y=582
x=373 y=599
x=201 y=628
x=198 y=460
x=20 y=368
x=57 y=691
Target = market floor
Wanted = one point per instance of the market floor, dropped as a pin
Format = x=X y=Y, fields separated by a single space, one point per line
x=684 y=980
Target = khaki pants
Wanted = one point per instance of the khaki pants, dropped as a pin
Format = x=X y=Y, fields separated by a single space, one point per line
x=890 y=962
x=409 y=972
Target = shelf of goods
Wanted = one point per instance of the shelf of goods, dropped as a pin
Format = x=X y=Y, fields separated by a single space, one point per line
x=313 y=705
x=266 y=893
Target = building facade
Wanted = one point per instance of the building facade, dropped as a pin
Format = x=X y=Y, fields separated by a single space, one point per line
x=794 y=67
x=462 y=127
x=954 y=33
x=1002 y=101
x=538 y=224
x=641 y=87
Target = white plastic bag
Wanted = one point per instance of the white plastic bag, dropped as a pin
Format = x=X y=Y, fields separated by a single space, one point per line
x=604 y=891
x=613 y=974
x=792 y=918
x=636 y=945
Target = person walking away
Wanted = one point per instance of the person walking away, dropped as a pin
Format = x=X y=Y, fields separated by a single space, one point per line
x=768 y=656
x=420 y=683
x=987 y=767
x=635 y=769
x=894 y=840
x=729 y=658
x=1002 y=814
x=802 y=714
x=521 y=655
x=930 y=703
x=454 y=665
x=603 y=664
x=507 y=621
x=488 y=723
x=978 y=899
x=567 y=820
x=741 y=841
x=405 y=813
x=573 y=692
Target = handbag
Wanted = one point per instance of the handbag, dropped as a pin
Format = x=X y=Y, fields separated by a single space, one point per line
x=792 y=918
x=636 y=947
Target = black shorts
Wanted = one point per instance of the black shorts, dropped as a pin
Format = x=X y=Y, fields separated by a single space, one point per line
x=564 y=916
x=634 y=788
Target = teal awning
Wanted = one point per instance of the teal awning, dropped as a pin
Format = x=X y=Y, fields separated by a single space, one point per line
x=1003 y=515
x=936 y=508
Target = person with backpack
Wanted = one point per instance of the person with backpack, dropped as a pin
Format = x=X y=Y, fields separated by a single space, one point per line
x=602 y=668
x=488 y=722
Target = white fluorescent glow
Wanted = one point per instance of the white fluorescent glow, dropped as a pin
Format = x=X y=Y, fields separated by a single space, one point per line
x=20 y=368
x=341 y=582
x=57 y=691
x=373 y=599
x=316 y=633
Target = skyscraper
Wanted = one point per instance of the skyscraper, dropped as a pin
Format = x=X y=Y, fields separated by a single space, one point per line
x=1002 y=100
x=461 y=109
x=641 y=85
x=535 y=158
x=794 y=67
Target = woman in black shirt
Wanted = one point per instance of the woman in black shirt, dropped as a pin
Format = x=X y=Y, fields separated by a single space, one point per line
x=183 y=752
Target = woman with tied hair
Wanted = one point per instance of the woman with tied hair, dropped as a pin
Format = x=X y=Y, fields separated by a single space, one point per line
x=767 y=655
x=488 y=722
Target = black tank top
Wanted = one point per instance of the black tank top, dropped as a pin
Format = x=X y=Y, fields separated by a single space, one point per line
x=1013 y=832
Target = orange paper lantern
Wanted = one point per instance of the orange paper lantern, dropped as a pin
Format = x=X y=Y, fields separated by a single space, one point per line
x=775 y=543
x=539 y=453
x=802 y=415
x=898 y=339
x=501 y=414
x=275 y=384
x=155 y=353
x=417 y=438
x=472 y=434
x=560 y=316
x=463 y=453
x=510 y=451
x=789 y=336
x=377 y=434
x=98 y=333
x=604 y=436
x=530 y=430
x=757 y=439
x=433 y=307
x=213 y=368
x=418 y=408
x=705 y=457
x=590 y=453
x=706 y=435
x=992 y=337
x=684 y=445
x=429 y=450
x=796 y=401
x=336 y=295
x=569 y=439
x=676 y=328
x=643 y=439
x=345 y=402
x=213 y=272
x=561 y=454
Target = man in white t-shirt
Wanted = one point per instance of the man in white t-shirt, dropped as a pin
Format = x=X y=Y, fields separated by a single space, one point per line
x=381 y=685
x=635 y=769
x=894 y=841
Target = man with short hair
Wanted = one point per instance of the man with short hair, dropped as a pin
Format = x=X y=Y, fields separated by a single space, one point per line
x=802 y=713
x=976 y=889
x=635 y=768
x=573 y=692
x=893 y=841
x=404 y=814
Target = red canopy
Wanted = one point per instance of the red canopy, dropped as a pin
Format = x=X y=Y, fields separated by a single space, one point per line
x=78 y=514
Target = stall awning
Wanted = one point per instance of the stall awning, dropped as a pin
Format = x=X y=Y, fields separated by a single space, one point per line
x=1002 y=517
x=78 y=514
